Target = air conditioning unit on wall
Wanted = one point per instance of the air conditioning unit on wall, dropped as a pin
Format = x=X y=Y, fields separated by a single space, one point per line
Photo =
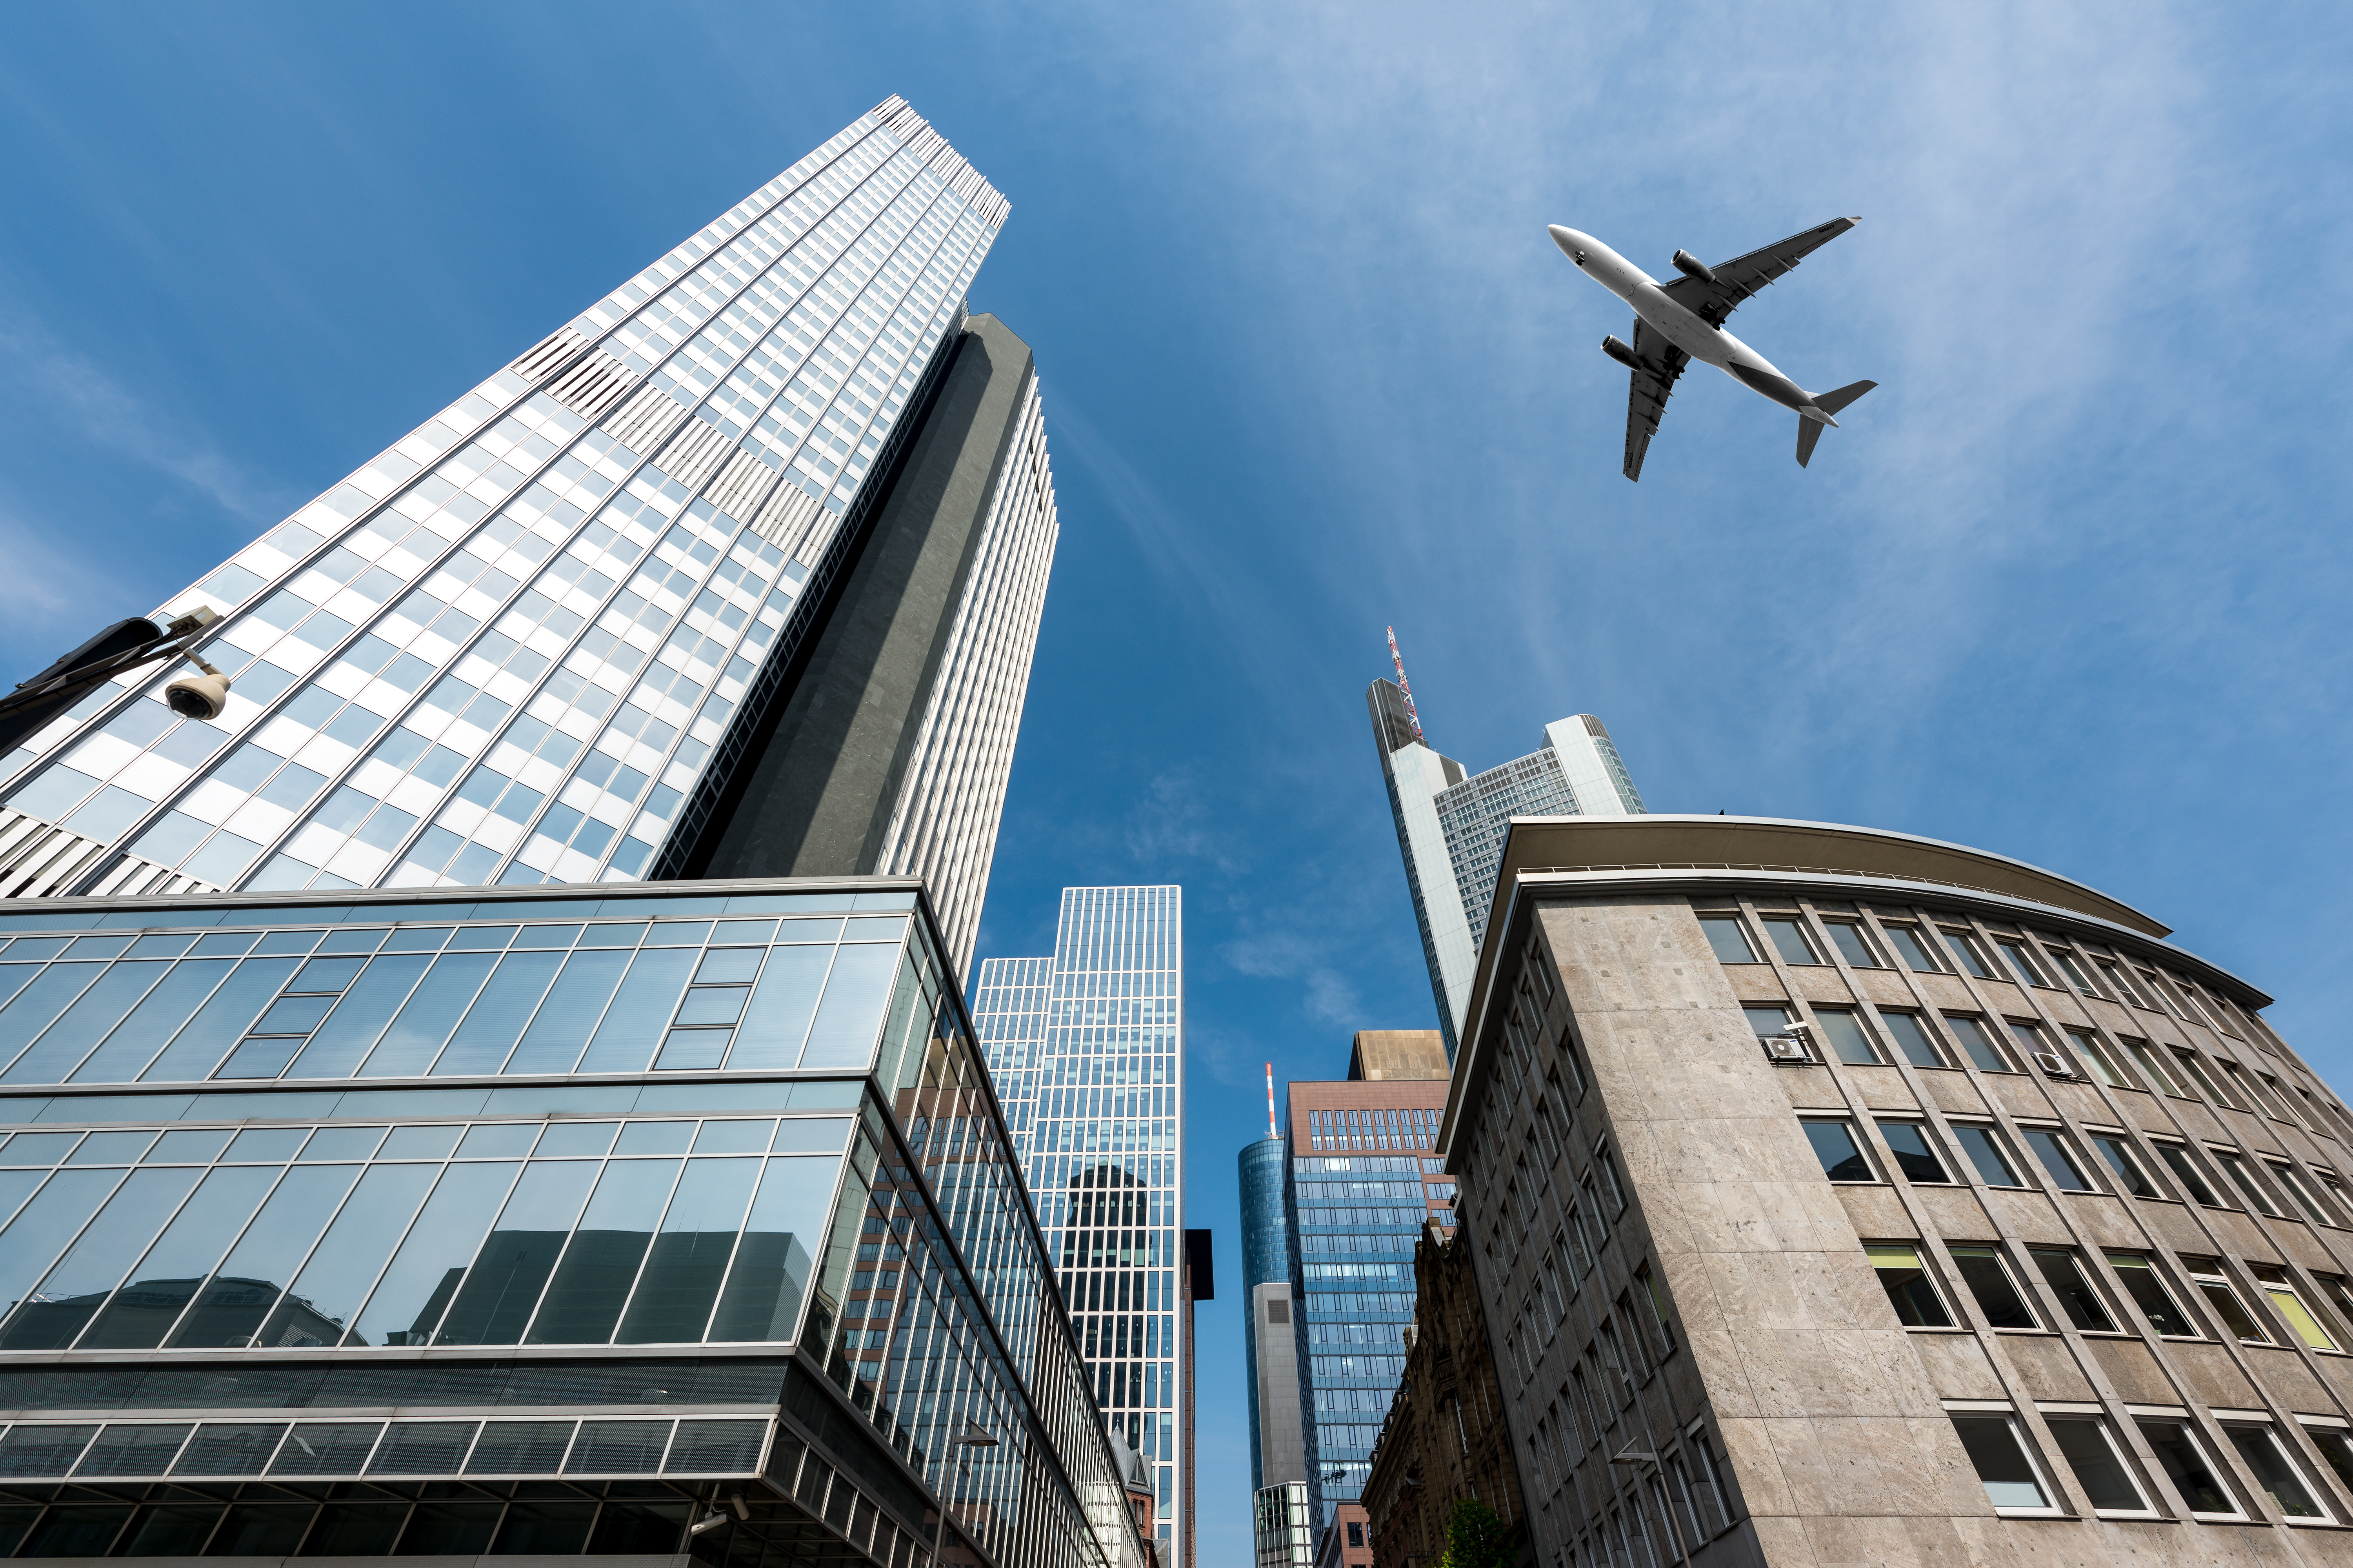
x=1784 y=1048
x=2054 y=1064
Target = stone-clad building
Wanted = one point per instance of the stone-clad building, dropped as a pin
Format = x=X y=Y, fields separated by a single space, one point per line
x=1839 y=1195
x=1445 y=1439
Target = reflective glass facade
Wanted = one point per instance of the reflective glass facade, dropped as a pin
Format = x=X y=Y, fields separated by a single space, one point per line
x=504 y=650
x=1087 y=1049
x=518 y=1293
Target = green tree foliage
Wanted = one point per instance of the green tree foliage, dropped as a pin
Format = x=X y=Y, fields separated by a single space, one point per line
x=1476 y=1538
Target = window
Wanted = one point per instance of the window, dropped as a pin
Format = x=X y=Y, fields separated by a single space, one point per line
x=1726 y=937
x=2141 y=1282
x=1965 y=950
x=1788 y=937
x=1606 y=1164
x=2236 y=1169
x=2050 y=1146
x=1915 y=1300
x=2299 y=1188
x=2029 y=1038
x=1696 y=1470
x=2276 y=1284
x=1909 y=947
x=1845 y=1033
x=1834 y=1146
x=2120 y=981
x=2097 y=1063
x=1658 y=1299
x=2101 y=1471
x=2334 y=1446
x=1982 y=1270
x=1852 y=946
x=2222 y=1299
x=1977 y=1043
x=2015 y=951
x=2118 y=1153
x=2183 y=1458
x=1998 y=1449
x=2073 y=969
x=1355 y=1532
x=2268 y=1461
x=1912 y=1038
x=1908 y=1141
x=2152 y=1064
x=2177 y=1159
x=2078 y=1298
x=2197 y=1072
x=1983 y=1147
x=1768 y=1021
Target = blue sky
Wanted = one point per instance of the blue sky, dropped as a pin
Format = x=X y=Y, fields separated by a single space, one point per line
x=2070 y=585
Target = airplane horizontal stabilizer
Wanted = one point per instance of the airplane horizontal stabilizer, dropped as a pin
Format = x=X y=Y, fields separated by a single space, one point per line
x=1809 y=432
x=1835 y=401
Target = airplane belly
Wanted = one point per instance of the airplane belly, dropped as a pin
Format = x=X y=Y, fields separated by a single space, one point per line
x=1681 y=327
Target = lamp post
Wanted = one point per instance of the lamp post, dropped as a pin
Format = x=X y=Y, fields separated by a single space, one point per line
x=972 y=1437
x=126 y=645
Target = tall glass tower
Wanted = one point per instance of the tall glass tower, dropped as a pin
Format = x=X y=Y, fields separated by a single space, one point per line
x=557 y=631
x=1450 y=824
x=1087 y=1052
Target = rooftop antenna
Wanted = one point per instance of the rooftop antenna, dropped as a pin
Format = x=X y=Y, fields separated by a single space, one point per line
x=1411 y=715
x=1270 y=1102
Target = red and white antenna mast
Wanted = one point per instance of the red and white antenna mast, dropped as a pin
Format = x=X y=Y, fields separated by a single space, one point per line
x=1270 y=1102
x=1399 y=659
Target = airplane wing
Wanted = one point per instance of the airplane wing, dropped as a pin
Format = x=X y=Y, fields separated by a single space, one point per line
x=1646 y=400
x=1742 y=276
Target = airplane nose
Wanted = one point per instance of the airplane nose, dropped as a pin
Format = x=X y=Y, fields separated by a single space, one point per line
x=1566 y=239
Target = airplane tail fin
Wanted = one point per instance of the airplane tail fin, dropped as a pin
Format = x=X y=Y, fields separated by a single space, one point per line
x=1810 y=431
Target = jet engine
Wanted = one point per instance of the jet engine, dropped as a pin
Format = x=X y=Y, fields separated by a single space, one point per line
x=1690 y=266
x=1618 y=350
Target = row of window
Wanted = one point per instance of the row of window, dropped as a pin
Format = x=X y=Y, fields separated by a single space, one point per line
x=2112 y=1473
x=1659 y=1518
x=1913 y=1149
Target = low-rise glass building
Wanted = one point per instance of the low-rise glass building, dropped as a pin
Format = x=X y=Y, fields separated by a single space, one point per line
x=555 y=1223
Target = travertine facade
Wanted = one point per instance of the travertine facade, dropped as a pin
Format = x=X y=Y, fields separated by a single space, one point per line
x=1923 y=1208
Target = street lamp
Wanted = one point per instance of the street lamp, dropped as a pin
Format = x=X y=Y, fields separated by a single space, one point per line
x=126 y=645
x=972 y=1437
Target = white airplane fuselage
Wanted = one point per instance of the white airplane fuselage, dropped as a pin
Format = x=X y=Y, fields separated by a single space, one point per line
x=1685 y=328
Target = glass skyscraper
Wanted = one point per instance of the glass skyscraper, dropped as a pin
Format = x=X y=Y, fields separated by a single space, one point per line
x=1450 y=825
x=547 y=1223
x=1282 y=1530
x=547 y=635
x=1087 y=1051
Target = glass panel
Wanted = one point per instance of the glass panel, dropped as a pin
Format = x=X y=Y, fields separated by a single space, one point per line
x=327 y=1294
x=2127 y=1168
x=2257 y=1199
x=2177 y=1159
x=326 y=1448
x=2001 y=1463
x=560 y=1033
x=770 y=1275
x=143 y=1311
x=37 y=1007
x=1729 y=943
x=1909 y=947
x=618 y=1447
x=520 y=1448
x=577 y=1138
x=171 y=1531
x=131 y=1048
x=1851 y=947
x=66 y=1531
x=624 y=1041
x=422 y=1448
x=2096 y=1059
x=2230 y=1312
x=1984 y=1150
x=1976 y=1043
x=496 y=1020
x=126 y=1450
x=1834 y=1146
x=584 y=1299
x=351 y=1030
x=2148 y=1293
x=1789 y=940
x=2259 y=1446
x=1906 y=1283
x=425 y=1273
x=1846 y=1036
x=449 y=1528
x=1982 y=1271
x=543 y=1529
x=2183 y=1459
x=716 y=1448
x=690 y=1256
x=417 y=1030
x=1908 y=1141
x=2049 y=1149
x=515 y=1261
x=229 y=1448
x=188 y=1145
x=2334 y=1447
x=1912 y=1039
x=220 y=1023
x=48 y=1223
x=42 y=1452
x=110 y=1148
x=2099 y=1469
x=2076 y=1297
x=230 y=1309
x=2290 y=1306
x=847 y=1019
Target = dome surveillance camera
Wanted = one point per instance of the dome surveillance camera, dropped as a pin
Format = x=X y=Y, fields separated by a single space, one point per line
x=199 y=696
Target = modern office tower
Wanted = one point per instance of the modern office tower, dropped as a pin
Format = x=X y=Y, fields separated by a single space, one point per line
x=1087 y=1053
x=1281 y=1516
x=737 y=572
x=1364 y=1178
x=1444 y=1441
x=662 y=1220
x=2031 y=1241
x=1450 y=825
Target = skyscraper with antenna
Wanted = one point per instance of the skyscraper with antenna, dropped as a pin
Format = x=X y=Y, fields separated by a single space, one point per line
x=1451 y=823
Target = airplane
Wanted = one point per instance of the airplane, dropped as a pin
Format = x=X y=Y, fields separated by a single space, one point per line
x=1677 y=322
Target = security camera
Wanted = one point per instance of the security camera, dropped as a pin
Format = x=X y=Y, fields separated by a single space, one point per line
x=199 y=696
x=1796 y=1026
